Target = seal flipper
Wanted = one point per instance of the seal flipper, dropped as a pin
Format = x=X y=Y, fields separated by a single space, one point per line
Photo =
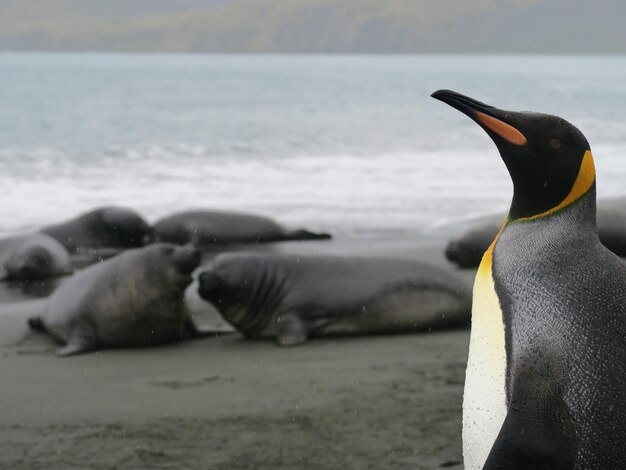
x=302 y=234
x=525 y=443
x=82 y=340
x=292 y=331
x=37 y=325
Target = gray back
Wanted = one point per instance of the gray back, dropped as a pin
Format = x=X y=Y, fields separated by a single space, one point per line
x=563 y=296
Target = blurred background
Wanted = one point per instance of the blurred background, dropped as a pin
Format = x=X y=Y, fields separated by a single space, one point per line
x=316 y=112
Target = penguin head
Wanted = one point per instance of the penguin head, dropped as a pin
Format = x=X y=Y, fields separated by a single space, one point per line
x=549 y=159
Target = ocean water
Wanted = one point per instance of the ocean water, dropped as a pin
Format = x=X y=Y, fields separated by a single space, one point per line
x=353 y=145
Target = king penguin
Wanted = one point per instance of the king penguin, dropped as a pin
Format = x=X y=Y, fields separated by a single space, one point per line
x=545 y=385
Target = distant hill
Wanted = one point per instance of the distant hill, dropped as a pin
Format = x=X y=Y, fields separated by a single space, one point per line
x=314 y=26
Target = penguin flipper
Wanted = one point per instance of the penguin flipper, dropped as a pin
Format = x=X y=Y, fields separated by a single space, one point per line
x=527 y=444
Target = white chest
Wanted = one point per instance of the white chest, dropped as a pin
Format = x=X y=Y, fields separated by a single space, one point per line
x=484 y=399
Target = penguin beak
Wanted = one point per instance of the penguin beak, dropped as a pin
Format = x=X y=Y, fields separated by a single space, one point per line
x=492 y=120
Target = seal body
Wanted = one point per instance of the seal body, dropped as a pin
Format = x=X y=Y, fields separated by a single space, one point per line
x=612 y=224
x=32 y=256
x=107 y=227
x=205 y=228
x=134 y=299
x=292 y=297
x=467 y=250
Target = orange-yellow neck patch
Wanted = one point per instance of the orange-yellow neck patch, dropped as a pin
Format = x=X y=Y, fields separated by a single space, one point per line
x=485 y=264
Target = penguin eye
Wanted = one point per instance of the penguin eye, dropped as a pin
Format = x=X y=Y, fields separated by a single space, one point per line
x=555 y=144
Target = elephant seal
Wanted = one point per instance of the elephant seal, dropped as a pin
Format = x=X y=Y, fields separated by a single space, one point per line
x=205 y=228
x=293 y=297
x=107 y=227
x=134 y=299
x=612 y=224
x=32 y=256
x=467 y=251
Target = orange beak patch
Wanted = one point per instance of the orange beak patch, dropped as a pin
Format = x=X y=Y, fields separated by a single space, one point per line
x=504 y=130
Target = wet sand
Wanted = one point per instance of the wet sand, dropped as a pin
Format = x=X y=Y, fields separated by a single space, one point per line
x=225 y=403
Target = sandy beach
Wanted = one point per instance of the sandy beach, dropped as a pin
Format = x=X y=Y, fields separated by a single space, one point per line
x=225 y=403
